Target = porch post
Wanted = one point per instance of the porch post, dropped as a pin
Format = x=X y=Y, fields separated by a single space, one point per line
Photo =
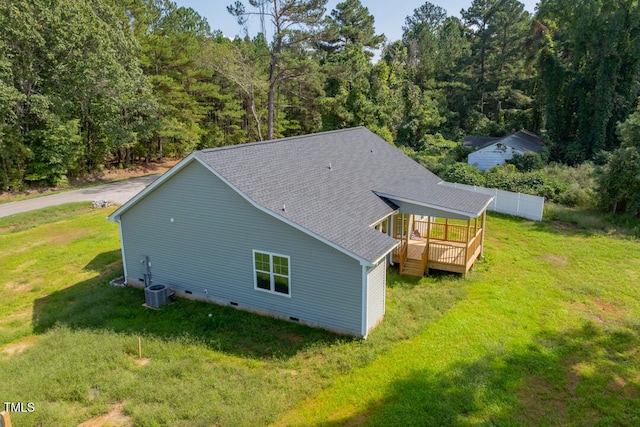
x=466 y=246
x=428 y=243
x=446 y=229
x=484 y=222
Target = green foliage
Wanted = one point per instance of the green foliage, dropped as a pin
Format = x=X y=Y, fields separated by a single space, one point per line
x=536 y=183
x=499 y=79
x=619 y=182
x=578 y=184
x=89 y=82
x=294 y=30
x=421 y=117
x=75 y=87
x=569 y=186
x=462 y=173
x=589 y=62
x=527 y=162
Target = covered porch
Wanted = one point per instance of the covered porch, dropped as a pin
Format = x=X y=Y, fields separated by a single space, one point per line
x=428 y=242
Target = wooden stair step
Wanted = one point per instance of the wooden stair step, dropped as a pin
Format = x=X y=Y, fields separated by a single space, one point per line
x=412 y=267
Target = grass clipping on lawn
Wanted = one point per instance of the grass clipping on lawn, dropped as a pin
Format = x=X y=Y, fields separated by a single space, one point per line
x=544 y=331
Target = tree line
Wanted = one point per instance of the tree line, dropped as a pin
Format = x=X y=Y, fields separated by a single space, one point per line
x=86 y=83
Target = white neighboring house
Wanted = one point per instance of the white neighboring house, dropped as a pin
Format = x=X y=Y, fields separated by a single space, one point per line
x=490 y=151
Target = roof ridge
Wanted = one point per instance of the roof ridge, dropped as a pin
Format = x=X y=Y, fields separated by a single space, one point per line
x=273 y=141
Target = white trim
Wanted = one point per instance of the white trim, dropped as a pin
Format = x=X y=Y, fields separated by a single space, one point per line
x=124 y=259
x=364 y=302
x=442 y=208
x=271 y=273
x=386 y=253
x=384 y=217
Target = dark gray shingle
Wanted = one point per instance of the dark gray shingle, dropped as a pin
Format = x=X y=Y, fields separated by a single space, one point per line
x=328 y=181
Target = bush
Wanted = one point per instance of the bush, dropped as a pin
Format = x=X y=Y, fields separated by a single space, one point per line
x=536 y=183
x=579 y=183
x=462 y=174
x=527 y=162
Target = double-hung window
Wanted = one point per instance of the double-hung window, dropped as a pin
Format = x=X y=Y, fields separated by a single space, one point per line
x=271 y=273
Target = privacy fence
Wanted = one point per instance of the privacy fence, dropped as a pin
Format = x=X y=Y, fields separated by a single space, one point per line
x=517 y=204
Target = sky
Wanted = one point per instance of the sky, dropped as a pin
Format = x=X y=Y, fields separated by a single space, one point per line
x=389 y=14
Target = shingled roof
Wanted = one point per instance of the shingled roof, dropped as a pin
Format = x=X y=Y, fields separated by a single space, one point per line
x=330 y=184
x=522 y=140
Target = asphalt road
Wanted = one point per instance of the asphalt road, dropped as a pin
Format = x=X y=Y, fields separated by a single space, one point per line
x=117 y=192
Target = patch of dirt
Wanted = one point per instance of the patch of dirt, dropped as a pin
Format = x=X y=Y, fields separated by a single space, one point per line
x=293 y=338
x=103 y=177
x=16 y=348
x=19 y=288
x=143 y=362
x=599 y=311
x=63 y=238
x=607 y=308
x=114 y=418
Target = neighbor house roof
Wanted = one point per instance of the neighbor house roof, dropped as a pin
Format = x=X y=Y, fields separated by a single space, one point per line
x=329 y=185
x=522 y=140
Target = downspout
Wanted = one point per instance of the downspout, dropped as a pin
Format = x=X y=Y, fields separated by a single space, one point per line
x=364 y=302
x=391 y=233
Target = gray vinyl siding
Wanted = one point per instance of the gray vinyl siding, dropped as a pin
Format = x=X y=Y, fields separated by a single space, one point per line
x=209 y=247
x=490 y=156
x=376 y=287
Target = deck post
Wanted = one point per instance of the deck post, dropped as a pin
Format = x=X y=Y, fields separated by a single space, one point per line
x=426 y=267
x=446 y=229
x=484 y=222
x=466 y=246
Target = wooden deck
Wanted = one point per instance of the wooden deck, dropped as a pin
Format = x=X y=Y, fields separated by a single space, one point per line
x=450 y=248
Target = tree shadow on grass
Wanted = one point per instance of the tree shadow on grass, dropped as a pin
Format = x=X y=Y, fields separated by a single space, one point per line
x=94 y=304
x=585 y=376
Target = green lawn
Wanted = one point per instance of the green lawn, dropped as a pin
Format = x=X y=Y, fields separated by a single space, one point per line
x=544 y=331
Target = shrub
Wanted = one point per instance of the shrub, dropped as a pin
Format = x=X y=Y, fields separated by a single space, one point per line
x=527 y=162
x=579 y=183
x=462 y=174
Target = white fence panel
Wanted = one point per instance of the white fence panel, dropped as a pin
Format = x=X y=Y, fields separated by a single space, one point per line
x=507 y=202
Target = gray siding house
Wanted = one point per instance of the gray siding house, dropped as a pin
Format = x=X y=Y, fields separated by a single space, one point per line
x=299 y=228
x=490 y=151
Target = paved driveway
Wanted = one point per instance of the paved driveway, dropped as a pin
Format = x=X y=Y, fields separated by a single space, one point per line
x=117 y=192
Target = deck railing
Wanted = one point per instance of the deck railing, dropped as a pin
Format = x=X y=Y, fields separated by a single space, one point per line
x=445 y=255
x=425 y=257
x=473 y=245
x=401 y=252
x=443 y=231
x=448 y=246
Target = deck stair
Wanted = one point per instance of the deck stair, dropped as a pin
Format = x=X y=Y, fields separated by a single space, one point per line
x=412 y=267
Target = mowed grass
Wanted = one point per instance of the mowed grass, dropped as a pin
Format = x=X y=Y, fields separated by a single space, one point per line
x=544 y=331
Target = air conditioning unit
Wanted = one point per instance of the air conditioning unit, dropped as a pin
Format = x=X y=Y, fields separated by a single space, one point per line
x=156 y=296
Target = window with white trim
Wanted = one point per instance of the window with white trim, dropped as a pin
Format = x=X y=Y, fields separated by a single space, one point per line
x=271 y=273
